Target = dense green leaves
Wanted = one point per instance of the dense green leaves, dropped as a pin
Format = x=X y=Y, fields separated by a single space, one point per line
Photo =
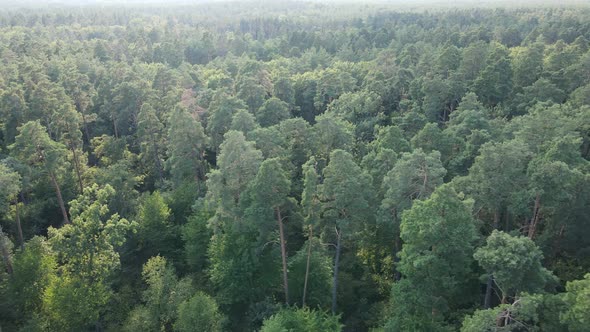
x=411 y=170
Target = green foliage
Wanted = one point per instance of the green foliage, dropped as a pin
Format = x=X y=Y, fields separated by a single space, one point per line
x=578 y=304
x=186 y=147
x=515 y=263
x=156 y=234
x=435 y=261
x=161 y=299
x=494 y=83
x=33 y=271
x=85 y=250
x=196 y=237
x=200 y=313
x=531 y=312
x=353 y=150
x=272 y=112
x=319 y=279
x=304 y=320
x=34 y=147
x=86 y=247
x=10 y=186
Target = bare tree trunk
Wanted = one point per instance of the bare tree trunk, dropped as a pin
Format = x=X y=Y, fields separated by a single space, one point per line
x=336 y=266
x=60 y=199
x=283 y=255
x=309 y=244
x=19 y=227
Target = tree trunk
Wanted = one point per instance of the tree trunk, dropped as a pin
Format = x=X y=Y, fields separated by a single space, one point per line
x=488 y=299
x=283 y=255
x=336 y=266
x=535 y=218
x=60 y=199
x=19 y=227
x=309 y=244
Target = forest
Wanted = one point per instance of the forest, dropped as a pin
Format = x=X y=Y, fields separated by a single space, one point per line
x=294 y=166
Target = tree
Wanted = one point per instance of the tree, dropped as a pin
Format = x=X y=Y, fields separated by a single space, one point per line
x=310 y=275
x=243 y=121
x=155 y=232
x=238 y=163
x=527 y=64
x=346 y=197
x=515 y=264
x=196 y=236
x=161 y=299
x=304 y=320
x=85 y=250
x=533 y=312
x=270 y=190
x=415 y=176
x=186 y=147
x=251 y=92
x=200 y=312
x=578 y=304
x=33 y=271
x=310 y=202
x=34 y=147
x=332 y=83
x=439 y=235
x=331 y=133
x=13 y=108
x=272 y=112
x=10 y=186
x=150 y=132
x=497 y=181
x=65 y=124
x=220 y=115
x=362 y=108
x=494 y=83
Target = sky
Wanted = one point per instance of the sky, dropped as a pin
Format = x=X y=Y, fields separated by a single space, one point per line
x=401 y=3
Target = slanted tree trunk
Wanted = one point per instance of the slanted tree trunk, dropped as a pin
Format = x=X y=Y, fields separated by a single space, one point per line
x=309 y=244
x=336 y=266
x=283 y=255
x=60 y=199
x=19 y=227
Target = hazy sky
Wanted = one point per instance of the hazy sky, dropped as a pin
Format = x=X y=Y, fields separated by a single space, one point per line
x=401 y=3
